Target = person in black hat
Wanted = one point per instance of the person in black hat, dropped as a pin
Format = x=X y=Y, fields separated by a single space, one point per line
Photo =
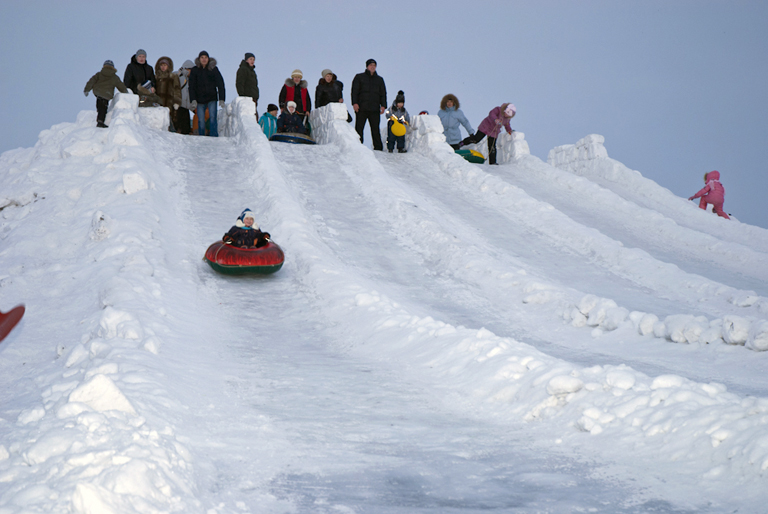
x=247 y=83
x=369 y=100
x=206 y=87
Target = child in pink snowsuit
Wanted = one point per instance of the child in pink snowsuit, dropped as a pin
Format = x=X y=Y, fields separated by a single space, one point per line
x=713 y=193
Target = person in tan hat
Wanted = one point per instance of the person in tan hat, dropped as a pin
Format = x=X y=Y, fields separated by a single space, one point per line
x=328 y=90
x=295 y=90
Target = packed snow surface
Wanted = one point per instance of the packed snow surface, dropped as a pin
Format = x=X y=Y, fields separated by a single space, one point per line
x=443 y=337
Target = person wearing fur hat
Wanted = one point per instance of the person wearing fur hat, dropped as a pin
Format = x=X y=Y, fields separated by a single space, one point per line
x=246 y=82
x=103 y=85
x=369 y=100
x=491 y=126
x=206 y=87
x=183 y=122
x=295 y=90
x=328 y=90
x=268 y=121
x=168 y=87
x=290 y=121
x=713 y=193
x=138 y=73
x=246 y=232
x=398 y=112
x=452 y=119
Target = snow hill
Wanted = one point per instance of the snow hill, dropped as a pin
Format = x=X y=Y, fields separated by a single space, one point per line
x=444 y=336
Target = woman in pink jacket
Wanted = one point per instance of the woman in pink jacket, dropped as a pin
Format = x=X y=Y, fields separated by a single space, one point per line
x=491 y=127
x=713 y=193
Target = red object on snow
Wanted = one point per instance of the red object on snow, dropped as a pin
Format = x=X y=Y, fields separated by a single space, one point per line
x=9 y=320
x=235 y=260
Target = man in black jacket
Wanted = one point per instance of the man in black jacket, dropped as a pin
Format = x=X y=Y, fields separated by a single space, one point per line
x=137 y=73
x=206 y=86
x=369 y=100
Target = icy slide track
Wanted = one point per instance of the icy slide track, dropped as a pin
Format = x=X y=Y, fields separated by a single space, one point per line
x=152 y=385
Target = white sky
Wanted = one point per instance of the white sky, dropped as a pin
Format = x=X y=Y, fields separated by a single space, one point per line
x=678 y=88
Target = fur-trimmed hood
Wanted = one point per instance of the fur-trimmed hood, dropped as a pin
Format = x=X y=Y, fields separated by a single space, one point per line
x=444 y=101
x=158 y=73
x=211 y=63
x=303 y=84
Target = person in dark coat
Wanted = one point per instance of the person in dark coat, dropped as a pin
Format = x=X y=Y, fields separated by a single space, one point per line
x=138 y=73
x=103 y=85
x=290 y=121
x=328 y=90
x=247 y=83
x=246 y=232
x=295 y=90
x=206 y=87
x=369 y=100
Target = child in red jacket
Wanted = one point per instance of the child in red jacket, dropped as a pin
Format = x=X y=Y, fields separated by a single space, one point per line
x=713 y=193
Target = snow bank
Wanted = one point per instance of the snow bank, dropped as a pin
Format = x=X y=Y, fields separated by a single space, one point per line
x=701 y=427
x=589 y=158
x=96 y=438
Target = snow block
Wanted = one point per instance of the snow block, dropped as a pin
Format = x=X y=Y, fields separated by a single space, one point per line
x=134 y=182
x=330 y=120
x=564 y=384
x=570 y=156
x=758 y=336
x=735 y=329
x=101 y=394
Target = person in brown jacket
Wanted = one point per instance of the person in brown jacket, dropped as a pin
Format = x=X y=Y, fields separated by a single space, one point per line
x=103 y=85
x=168 y=87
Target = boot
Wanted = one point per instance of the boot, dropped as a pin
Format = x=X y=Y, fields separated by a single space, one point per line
x=402 y=150
x=101 y=124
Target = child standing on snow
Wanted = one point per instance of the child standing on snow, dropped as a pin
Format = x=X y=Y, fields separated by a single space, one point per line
x=713 y=193
x=397 y=111
x=246 y=232
x=103 y=85
x=268 y=121
x=491 y=126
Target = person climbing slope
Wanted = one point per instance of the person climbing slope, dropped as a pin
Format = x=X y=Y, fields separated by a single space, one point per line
x=713 y=193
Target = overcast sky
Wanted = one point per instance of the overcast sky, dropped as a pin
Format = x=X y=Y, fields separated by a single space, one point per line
x=677 y=87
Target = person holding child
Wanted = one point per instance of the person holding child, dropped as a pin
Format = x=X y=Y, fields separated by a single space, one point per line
x=712 y=193
x=398 y=112
x=246 y=233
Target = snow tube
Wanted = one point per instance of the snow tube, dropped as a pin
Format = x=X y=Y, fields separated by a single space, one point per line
x=472 y=156
x=233 y=260
x=293 y=137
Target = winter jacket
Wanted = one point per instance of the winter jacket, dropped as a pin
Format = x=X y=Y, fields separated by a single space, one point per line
x=246 y=82
x=168 y=86
x=206 y=84
x=268 y=124
x=137 y=74
x=245 y=237
x=452 y=118
x=401 y=114
x=714 y=190
x=292 y=92
x=288 y=122
x=491 y=125
x=369 y=91
x=104 y=83
x=328 y=92
x=183 y=75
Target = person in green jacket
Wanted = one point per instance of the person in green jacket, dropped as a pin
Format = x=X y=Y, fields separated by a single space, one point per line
x=268 y=121
x=103 y=85
x=246 y=81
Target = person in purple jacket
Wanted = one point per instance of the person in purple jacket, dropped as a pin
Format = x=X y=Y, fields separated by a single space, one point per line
x=491 y=127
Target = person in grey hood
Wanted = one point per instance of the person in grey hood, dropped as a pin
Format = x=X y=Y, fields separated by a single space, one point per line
x=183 y=118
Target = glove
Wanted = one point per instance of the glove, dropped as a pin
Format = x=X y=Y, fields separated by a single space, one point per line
x=221 y=103
x=86 y=93
x=691 y=198
x=175 y=107
x=194 y=104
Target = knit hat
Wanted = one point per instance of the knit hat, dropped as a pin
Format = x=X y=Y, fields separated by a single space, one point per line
x=325 y=72
x=141 y=52
x=291 y=104
x=369 y=62
x=241 y=219
x=204 y=53
x=400 y=97
x=271 y=107
x=510 y=110
x=188 y=64
x=248 y=55
x=297 y=73
x=109 y=63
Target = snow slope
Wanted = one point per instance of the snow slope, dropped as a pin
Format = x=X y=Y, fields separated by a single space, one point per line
x=443 y=336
